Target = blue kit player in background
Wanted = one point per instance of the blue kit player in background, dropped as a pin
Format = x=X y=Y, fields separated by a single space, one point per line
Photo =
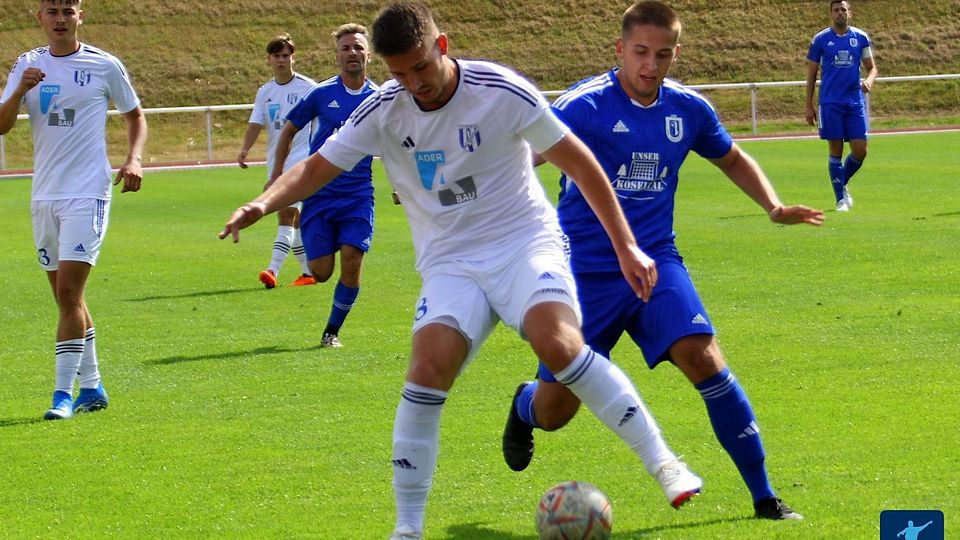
x=338 y=217
x=838 y=52
x=641 y=128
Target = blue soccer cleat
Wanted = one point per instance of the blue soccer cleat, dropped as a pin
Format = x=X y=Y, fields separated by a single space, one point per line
x=91 y=400
x=61 y=408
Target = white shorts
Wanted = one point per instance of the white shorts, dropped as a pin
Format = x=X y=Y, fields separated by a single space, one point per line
x=472 y=297
x=69 y=230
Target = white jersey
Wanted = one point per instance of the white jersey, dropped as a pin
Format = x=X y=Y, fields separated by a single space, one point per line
x=270 y=109
x=68 y=112
x=463 y=171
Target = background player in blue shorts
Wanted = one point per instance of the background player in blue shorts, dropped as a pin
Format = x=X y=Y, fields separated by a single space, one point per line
x=838 y=52
x=641 y=127
x=338 y=217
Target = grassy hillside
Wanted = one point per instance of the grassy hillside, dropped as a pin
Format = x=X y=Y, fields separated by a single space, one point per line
x=186 y=52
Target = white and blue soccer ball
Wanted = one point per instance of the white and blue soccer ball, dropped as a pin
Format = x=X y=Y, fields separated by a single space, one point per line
x=574 y=510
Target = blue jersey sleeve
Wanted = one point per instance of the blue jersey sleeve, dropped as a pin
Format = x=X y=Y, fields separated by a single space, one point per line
x=712 y=141
x=303 y=112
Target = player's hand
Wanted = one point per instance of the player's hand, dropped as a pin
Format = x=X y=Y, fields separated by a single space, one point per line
x=395 y=197
x=242 y=218
x=242 y=159
x=131 y=174
x=811 y=116
x=30 y=78
x=791 y=215
x=866 y=85
x=640 y=271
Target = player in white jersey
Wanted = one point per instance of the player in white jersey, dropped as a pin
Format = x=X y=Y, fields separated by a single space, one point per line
x=455 y=138
x=274 y=100
x=66 y=87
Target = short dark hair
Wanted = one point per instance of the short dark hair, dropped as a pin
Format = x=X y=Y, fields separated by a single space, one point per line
x=280 y=42
x=402 y=27
x=832 y=2
x=349 y=28
x=651 y=12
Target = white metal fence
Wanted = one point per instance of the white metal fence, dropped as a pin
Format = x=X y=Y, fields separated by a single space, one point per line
x=753 y=87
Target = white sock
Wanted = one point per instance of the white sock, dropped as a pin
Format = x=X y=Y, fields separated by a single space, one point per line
x=612 y=398
x=416 y=438
x=299 y=252
x=68 y=353
x=281 y=246
x=89 y=372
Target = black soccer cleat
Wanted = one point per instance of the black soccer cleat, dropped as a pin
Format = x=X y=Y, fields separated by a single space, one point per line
x=773 y=508
x=517 y=437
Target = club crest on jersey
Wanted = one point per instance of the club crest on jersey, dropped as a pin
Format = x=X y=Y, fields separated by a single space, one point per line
x=470 y=137
x=674 y=127
x=82 y=77
x=853 y=42
x=428 y=163
x=292 y=99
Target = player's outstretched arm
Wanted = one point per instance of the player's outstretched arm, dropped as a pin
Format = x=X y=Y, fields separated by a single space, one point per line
x=131 y=172
x=298 y=183
x=573 y=157
x=747 y=175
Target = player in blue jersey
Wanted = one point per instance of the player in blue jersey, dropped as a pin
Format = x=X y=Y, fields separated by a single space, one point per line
x=66 y=87
x=338 y=217
x=837 y=52
x=641 y=128
x=270 y=107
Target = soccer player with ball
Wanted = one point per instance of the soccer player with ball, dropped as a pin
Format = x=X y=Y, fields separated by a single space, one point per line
x=66 y=87
x=455 y=138
x=641 y=128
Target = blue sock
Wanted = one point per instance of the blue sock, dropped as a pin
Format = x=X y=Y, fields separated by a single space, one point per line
x=343 y=299
x=837 y=176
x=524 y=404
x=850 y=168
x=736 y=428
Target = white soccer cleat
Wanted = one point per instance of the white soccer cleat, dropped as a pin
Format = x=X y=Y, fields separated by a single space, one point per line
x=405 y=532
x=678 y=483
x=330 y=341
x=843 y=205
x=847 y=197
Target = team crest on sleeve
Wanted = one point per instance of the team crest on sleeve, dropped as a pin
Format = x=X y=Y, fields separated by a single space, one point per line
x=82 y=77
x=674 y=127
x=470 y=137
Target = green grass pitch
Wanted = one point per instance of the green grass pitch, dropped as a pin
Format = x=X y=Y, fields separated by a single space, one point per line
x=227 y=420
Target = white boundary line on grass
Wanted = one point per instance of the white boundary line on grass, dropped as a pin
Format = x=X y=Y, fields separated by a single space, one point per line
x=201 y=165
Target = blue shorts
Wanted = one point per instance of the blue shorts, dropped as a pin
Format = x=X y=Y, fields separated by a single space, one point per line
x=842 y=121
x=327 y=225
x=610 y=308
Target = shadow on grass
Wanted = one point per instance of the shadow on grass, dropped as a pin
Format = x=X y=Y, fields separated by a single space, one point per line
x=227 y=355
x=197 y=294
x=947 y=214
x=13 y=422
x=477 y=531
x=744 y=216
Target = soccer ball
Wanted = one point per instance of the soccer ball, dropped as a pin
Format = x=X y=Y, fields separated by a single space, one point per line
x=574 y=511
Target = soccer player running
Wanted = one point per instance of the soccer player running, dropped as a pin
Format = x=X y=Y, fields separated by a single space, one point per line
x=274 y=100
x=641 y=127
x=338 y=217
x=66 y=87
x=838 y=51
x=455 y=138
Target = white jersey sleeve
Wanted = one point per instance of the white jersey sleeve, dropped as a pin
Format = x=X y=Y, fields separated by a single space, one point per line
x=544 y=132
x=359 y=137
x=258 y=114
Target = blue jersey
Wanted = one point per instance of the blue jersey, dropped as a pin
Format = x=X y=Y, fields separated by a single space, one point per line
x=641 y=150
x=839 y=58
x=331 y=103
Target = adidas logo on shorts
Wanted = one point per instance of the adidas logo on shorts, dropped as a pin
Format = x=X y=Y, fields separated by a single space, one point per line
x=79 y=249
